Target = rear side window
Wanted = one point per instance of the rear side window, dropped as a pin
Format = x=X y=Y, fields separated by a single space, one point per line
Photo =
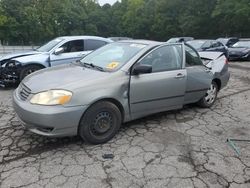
x=192 y=57
x=91 y=45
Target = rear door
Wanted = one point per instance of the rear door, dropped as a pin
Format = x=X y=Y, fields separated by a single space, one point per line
x=199 y=78
x=73 y=50
x=164 y=88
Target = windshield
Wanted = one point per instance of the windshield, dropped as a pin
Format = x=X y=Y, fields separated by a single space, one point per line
x=50 y=45
x=113 y=56
x=223 y=41
x=242 y=44
x=197 y=44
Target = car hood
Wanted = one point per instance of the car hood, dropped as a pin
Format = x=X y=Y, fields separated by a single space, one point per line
x=67 y=77
x=16 y=55
x=210 y=55
x=36 y=57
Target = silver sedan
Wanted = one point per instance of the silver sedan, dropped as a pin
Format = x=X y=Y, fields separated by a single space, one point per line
x=117 y=83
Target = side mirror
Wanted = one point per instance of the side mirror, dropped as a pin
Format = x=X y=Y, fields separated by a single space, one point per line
x=142 y=69
x=59 y=51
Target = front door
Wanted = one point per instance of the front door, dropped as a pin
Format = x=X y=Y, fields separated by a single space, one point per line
x=73 y=51
x=164 y=88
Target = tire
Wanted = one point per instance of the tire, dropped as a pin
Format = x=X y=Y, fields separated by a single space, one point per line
x=208 y=100
x=100 y=123
x=28 y=70
x=248 y=58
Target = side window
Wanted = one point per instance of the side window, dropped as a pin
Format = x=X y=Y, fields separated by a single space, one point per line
x=91 y=45
x=220 y=44
x=165 y=58
x=73 y=46
x=215 y=44
x=192 y=57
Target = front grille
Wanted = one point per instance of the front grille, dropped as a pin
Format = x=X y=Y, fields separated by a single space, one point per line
x=23 y=92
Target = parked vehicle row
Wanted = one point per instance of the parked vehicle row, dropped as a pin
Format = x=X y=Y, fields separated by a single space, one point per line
x=233 y=47
x=117 y=83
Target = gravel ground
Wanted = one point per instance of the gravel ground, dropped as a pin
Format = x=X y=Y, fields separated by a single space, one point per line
x=183 y=148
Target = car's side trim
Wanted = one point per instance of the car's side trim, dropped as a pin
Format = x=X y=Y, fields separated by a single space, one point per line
x=197 y=90
x=152 y=100
x=55 y=60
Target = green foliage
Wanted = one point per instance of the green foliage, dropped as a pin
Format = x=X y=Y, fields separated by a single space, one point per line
x=37 y=21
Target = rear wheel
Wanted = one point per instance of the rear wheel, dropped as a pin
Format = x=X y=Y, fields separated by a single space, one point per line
x=209 y=99
x=100 y=123
x=28 y=70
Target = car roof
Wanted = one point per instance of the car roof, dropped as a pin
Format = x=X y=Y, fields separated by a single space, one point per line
x=203 y=40
x=145 y=42
x=245 y=39
x=120 y=38
x=84 y=37
x=228 y=38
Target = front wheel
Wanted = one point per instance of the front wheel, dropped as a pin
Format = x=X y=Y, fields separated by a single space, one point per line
x=28 y=70
x=100 y=123
x=211 y=95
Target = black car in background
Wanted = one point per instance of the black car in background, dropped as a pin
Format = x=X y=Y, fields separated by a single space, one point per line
x=209 y=45
x=228 y=41
x=180 y=39
x=240 y=50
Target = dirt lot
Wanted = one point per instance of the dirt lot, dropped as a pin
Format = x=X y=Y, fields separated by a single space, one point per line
x=185 y=148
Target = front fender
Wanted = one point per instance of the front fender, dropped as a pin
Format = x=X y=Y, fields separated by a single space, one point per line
x=39 y=59
x=106 y=90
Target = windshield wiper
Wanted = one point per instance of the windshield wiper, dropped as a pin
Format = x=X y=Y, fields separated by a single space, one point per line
x=91 y=65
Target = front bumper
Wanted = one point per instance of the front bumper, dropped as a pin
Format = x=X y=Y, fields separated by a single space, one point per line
x=8 y=76
x=234 y=57
x=52 y=121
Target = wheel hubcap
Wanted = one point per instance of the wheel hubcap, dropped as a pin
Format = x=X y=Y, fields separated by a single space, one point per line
x=211 y=94
x=102 y=123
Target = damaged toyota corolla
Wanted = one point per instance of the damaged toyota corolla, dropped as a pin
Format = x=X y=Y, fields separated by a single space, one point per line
x=117 y=83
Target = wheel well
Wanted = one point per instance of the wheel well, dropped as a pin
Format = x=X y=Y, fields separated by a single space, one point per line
x=115 y=102
x=36 y=64
x=218 y=82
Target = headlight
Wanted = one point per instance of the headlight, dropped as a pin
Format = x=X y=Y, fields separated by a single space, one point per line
x=51 y=97
x=12 y=64
x=246 y=51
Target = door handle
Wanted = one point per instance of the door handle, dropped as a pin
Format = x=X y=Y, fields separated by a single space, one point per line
x=81 y=54
x=179 y=75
